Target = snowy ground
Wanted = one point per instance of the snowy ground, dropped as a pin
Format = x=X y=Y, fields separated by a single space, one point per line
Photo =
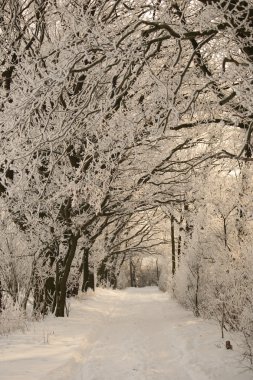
x=137 y=334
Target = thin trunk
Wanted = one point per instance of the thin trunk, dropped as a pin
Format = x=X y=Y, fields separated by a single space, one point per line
x=1 y=297
x=223 y=320
x=26 y=297
x=173 y=247
x=120 y=265
x=197 y=295
x=179 y=245
x=30 y=285
x=37 y=294
x=188 y=227
x=85 y=284
x=225 y=233
x=132 y=275
x=57 y=282
x=102 y=271
x=112 y=273
x=13 y=282
x=244 y=191
x=49 y=291
x=157 y=272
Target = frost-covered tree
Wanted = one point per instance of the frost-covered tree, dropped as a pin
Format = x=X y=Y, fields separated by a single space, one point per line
x=108 y=109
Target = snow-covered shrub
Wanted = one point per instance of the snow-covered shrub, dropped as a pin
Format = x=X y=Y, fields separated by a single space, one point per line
x=12 y=318
x=215 y=278
x=246 y=327
x=189 y=284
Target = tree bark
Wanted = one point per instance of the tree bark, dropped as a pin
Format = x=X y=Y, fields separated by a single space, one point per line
x=196 y=301
x=173 y=247
x=57 y=290
x=61 y=300
x=132 y=275
x=37 y=294
x=1 y=297
x=88 y=276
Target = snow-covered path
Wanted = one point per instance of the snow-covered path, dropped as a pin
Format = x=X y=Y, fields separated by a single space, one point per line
x=137 y=334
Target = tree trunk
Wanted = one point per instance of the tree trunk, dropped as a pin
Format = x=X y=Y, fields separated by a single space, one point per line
x=29 y=286
x=223 y=320
x=37 y=294
x=57 y=282
x=179 y=243
x=107 y=271
x=157 y=272
x=1 y=297
x=49 y=291
x=26 y=297
x=196 y=301
x=14 y=283
x=87 y=275
x=173 y=247
x=61 y=300
x=132 y=275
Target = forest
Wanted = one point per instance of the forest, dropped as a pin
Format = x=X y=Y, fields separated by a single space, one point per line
x=126 y=154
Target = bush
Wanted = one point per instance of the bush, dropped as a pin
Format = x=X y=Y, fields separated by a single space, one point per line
x=12 y=318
